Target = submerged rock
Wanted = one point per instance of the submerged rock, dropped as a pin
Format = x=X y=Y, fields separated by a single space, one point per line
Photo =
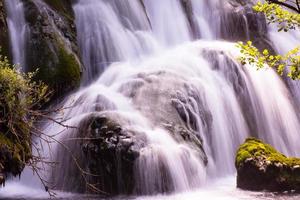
x=261 y=167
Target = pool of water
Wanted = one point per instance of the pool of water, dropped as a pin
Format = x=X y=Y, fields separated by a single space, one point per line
x=222 y=189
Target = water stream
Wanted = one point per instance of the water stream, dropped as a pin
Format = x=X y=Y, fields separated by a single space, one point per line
x=151 y=65
x=18 y=31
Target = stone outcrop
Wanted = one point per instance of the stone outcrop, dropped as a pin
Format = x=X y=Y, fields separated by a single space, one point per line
x=239 y=22
x=52 y=47
x=107 y=151
x=261 y=167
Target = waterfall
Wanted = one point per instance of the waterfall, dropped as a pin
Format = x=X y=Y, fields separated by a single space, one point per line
x=17 y=31
x=167 y=97
x=161 y=78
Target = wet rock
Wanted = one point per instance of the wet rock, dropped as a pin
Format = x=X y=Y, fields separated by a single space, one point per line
x=12 y=158
x=108 y=151
x=260 y=167
x=52 y=46
x=239 y=22
x=112 y=156
x=172 y=98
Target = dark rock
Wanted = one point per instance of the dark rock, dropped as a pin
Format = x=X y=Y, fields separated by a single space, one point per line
x=260 y=167
x=4 y=36
x=52 y=47
x=13 y=158
x=108 y=153
x=239 y=22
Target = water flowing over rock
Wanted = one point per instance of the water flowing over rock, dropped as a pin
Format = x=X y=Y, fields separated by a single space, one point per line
x=185 y=109
x=44 y=37
x=164 y=104
x=18 y=31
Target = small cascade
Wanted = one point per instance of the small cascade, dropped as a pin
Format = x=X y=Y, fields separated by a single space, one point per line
x=282 y=46
x=163 y=89
x=117 y=31
x=17 y=31
x=211 y=90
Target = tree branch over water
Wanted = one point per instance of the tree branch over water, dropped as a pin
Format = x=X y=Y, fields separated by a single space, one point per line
x=295 y=7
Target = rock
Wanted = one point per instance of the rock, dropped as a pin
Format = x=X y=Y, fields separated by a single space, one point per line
x=4 y=36
x=52 y=47
x=261 y=167
x=13 y=157
x=108 y=151
x=241 y=23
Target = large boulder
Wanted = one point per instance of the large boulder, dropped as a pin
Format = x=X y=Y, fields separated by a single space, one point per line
x=261 y=167
x=115 y=147
x=52 y=47
x=106 y=150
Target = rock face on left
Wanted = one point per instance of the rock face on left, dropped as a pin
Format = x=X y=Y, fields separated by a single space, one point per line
x=52 y=47
x=260 y=167
x=4 y=40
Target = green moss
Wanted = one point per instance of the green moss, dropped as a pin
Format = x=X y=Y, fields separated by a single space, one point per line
x=62 y=6
x=13 y=155
x=253 y=148
x=19 y=94
x=61 y=71
x=67 y=68
x=5 y=141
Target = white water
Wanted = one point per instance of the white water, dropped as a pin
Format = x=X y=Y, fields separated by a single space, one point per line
x=17 y=31
x=222 y=101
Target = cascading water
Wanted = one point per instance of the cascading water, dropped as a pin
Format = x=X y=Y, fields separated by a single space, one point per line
x=17 y=31
x=174 y=110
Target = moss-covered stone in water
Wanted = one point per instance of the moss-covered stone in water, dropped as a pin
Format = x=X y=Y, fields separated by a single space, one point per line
x=261 y=167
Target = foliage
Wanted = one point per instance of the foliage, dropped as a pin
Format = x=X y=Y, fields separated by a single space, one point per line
x=289 y=61
x=276 y=12
x=19 y=96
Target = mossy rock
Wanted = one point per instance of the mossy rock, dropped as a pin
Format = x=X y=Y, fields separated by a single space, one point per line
x=261 y=167
x=52 y=48
x=13 y=156
x=64 y=73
